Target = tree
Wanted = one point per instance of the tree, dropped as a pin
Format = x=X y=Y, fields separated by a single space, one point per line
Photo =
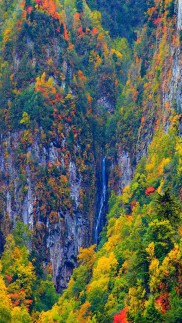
x=79 y=5
x=22 y=234
x=152 y=315
x=167 y=208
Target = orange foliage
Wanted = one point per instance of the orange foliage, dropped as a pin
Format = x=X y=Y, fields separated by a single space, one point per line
x=18 y=297
x=83 y=312
x=66 y=35
x=49 y=6
x=135 y=95
x=143 y=120
x=76 y=20
x=151 y=11
x=53 y=217
x=19 y=24
x=22 y=5
x=81 y=75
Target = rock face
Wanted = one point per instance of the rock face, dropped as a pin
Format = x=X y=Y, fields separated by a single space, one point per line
x=176 y=80
x=126 y=170
x=169 y=86
x=59 y=233
x=48 y=150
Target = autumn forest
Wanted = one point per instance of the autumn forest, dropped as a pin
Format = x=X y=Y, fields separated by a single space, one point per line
x=90 y=161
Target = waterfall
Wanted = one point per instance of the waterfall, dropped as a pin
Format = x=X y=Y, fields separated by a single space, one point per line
x=102 y=201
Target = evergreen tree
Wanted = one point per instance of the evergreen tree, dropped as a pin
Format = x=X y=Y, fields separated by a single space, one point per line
x=79 y=5
x=167 y=208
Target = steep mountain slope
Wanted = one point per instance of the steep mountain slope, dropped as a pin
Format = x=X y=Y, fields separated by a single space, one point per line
x=79 y=110
x=58 y=86
x=122 y=18
x=136 y=272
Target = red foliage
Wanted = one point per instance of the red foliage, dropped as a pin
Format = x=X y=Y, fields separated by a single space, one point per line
x=80 y=30
x=66 y=35
x=157 y=21
x=28 y=301
x=29 y=9
x=162 y=285
x=8 y=278
x=121 y=317
x=162 y=302
x=95 y=31
x=39 y=2
x=150 y=190
x=75 y=130
x=58 y=97
x=133 y=203
x=19 y=24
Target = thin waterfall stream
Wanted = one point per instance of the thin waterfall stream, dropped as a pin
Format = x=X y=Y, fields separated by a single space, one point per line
x=102 y=201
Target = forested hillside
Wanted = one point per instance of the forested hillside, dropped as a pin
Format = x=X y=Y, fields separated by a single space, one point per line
x=90 y=161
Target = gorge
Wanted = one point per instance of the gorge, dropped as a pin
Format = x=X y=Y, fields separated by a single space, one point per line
x=90 y=148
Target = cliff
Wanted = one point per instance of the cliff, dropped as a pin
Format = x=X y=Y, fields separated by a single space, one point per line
x=90 y=125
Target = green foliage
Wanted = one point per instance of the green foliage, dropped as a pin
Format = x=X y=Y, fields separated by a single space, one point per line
x=122 y=18
x=5 y=315
x=65 y=81
x=152 y=314
x=44 y=295
x=167 y=208
x=175 y=312
x=138 y=263
x=22 y=234
x=34 y=105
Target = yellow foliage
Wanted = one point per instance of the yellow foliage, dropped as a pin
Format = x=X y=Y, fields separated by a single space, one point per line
x=154 y=274
x=111 y=303
x=4 y=298
x=136 y=297
x=82 y=315
x=151 y=250
x=100 y=283
x=45 y=86
x=173 y=258
x=117 y=53
x=163 y=164
x=160 y=188
x=126 y=195
x=25 y=119
x=87 y=256
x=98 y=61
x=7 y=34
x=104 y=265
x=179 y=156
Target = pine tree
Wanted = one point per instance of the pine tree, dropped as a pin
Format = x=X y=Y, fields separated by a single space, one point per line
x=167 y=208
x=79 y=5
